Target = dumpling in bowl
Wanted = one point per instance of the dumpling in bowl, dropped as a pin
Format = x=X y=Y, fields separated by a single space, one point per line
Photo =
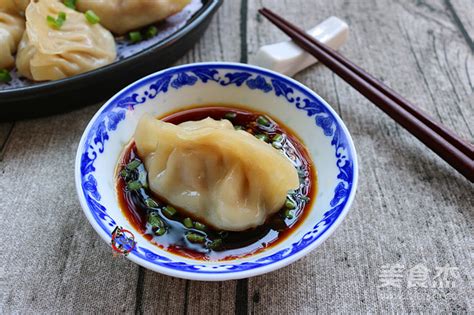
x=121 y=16
x=225 y=177
x=51 y=53
x=12 y=25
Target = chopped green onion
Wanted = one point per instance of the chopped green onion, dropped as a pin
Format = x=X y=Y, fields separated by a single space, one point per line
x=188 y=223
x=91 y=17
x=133 y=165
x=58 y=22
x=277 y=145
x=261 y=137
x=215 y=244
x=169 y=211
x=261 y=120
x=135 y=185
x=160 y=231
x=199 y=226
x=155 y=220
x=5 y=76
x=135 y=37
x=124 y=173
x=288 y=214
x=230 y=115
x=290 y=204
x=151 y=203
x=195 y=238
x=52 y=22
x=151 y=32
x=305 y=198
x=237 y=127
x=142 y=179
x=70 y=4
x=278 y=137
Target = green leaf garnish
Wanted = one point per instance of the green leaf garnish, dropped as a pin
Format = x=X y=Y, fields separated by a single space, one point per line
x=151 y=203
x=199 y=226
x=135 y=185
x=261 y=120
x=155 y=220
x=230 y=115
x=91 y=17
x=151 y=31
x=195 y=238
x=135 y=37
x=56 y=23
x=188 y=223
x=5 y=76
x=71 y=4
x=169 y=211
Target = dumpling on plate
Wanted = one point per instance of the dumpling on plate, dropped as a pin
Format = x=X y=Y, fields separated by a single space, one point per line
x=121 y=16
x=225 y=177
x=12 y=26
x=51 y=53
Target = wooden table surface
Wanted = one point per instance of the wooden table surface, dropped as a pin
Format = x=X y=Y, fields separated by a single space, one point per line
x=411 y=209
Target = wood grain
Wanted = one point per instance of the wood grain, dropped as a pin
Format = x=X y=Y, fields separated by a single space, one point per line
x=405 y=211
x=411 y=208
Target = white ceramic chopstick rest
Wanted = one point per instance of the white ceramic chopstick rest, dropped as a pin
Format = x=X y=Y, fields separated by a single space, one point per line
x=287 y=58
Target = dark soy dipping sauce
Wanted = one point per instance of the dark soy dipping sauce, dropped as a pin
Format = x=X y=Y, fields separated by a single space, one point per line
x=141 y=206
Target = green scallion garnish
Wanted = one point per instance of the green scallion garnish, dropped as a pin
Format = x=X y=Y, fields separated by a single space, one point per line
x=124 y=173
x=135 y=185
x=70 y=4
x=277 y=145
x=133 y=165
x=91 y=17
x=237 y=127
x=277 y=138
x=5 y=76
x=215 y=244
x=261 y=137
x=135 y=37
x=169 y=211
x=261 y=120
x=195 y=238
x=155 y=220
x=151 y=31
x=151 y=203
x=188 y=223
x=199 y=226
x=160 y=231
x=230 y=115
x=58 y=22
x=290 y=204
x=288 y=214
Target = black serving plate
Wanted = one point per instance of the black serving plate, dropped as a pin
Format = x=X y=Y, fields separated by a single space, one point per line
x=25 y=99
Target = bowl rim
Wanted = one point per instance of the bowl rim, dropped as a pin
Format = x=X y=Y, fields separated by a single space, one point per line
x=233 y=274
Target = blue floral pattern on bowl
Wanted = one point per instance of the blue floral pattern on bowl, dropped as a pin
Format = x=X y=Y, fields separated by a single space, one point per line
x=225 y=75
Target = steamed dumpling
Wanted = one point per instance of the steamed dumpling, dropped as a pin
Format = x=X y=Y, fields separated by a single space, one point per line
x=12 y=25
x=121 y=16
x=227 y=178
x=77 y=46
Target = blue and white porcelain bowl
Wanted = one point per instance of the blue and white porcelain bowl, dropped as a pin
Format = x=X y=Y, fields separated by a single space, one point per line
x=306 y=113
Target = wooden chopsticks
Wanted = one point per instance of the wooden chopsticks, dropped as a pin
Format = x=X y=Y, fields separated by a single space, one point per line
x=457 y=152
